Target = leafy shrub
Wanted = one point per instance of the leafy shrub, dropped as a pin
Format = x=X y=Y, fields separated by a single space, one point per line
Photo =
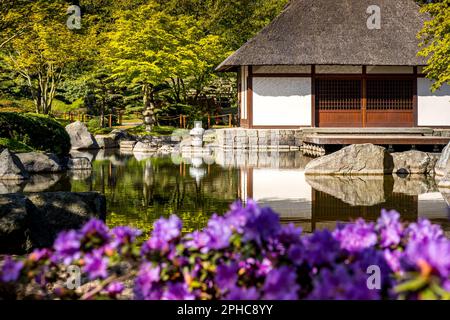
x=36 y=131
x=244 y=255
x=95 y=128
x=14 y=145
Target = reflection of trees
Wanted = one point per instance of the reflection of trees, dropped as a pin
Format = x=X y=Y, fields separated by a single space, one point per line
x=140 y=192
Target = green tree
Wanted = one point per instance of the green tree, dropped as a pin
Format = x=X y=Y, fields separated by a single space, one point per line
x=435 y=44
x=44 y=51
x=150 y=47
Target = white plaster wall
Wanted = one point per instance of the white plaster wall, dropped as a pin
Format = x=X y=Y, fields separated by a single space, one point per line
x=339 y=69
x=281 y=101
x=282 y=69
x=390 y=69
x=244 y=75
x=433 y=107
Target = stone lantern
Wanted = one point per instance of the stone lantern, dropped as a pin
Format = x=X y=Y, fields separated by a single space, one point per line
x=148 y=118
x=197 y=135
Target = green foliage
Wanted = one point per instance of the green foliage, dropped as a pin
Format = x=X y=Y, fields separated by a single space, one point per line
x=38 y=132
x=43 y=52
x=435 y=45
x=128 y=54
x=157 y=131
x=14 y=145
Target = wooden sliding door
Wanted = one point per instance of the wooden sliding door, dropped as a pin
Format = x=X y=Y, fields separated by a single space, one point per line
x=390 y=103
x=338 y=102
x=364 y=102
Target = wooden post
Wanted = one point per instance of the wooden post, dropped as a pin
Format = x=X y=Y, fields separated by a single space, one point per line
x=120 y=118
x=184 y=122
x=230 y=122
x=364 y=97
x=209 y=121
x=110 y=120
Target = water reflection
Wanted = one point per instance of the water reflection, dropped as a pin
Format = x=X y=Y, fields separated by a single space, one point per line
x=140 y=188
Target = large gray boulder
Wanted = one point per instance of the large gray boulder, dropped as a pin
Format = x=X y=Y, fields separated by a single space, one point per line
x=11 y=168
x=355 y=191
x=15 y=220
x=107 y=141
x=414 y=162
x=120 y=135
x=36 y=162
x=58 y=211
x=146 y=147
x=442 y=167
x=358 y=159
x=80 y=137
x=34 y=220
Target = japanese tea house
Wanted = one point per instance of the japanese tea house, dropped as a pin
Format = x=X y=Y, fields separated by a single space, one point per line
x=331 y=64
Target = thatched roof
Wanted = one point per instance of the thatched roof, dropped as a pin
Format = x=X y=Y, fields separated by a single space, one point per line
x=334 y=32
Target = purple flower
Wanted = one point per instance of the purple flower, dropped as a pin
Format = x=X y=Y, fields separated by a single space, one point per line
x=263 y=224
x=240 y=293
x=146 y=285
x=430 y=254
x=67 y=246
x=390 y=228
x=290 y=235
x=342 y=283
x=198 y=241
x=96 y=265
x=424 y=230
x=39 y=254
x=227 y=276
x=281 y=284
x=11 y=270
x=296 y=254
x=219 y=233
x=372 y=257
x=164 y=232
x=96 y=228
x=168 y=229
x=393 y=259
x=177 y=291
x=124 y=235
x=321 y=248
x=115 y=288
x=237 y=217
x=356 y=236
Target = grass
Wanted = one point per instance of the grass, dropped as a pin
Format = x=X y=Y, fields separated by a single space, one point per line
x=157 y=131
x=14 y=145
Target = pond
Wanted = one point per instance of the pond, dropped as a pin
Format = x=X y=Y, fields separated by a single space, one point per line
x=141 y=188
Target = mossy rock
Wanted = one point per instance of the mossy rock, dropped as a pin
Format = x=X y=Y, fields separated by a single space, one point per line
x=37 y=132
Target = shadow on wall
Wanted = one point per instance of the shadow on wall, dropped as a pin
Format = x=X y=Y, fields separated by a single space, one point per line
x=281 y=87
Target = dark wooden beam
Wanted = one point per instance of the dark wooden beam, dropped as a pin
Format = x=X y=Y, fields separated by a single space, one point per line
x=250 y=97
x=313 y=96
x=415 y=99
x=282 y=75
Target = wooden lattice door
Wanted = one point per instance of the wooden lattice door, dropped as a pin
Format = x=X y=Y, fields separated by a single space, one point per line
x=338 y=103
x=390 y=103
x=372 y=102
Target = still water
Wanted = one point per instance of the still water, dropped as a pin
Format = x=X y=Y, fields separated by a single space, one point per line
x=140 y=188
